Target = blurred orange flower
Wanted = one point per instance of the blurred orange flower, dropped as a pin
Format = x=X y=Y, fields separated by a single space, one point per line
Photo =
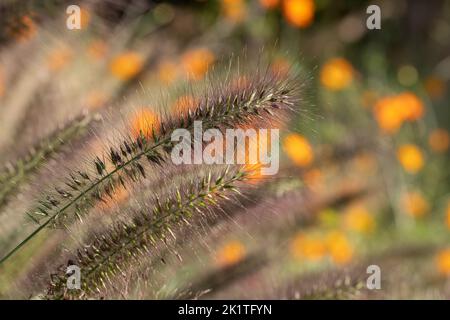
x=390 y=112
x=126 y=65
x=144 y=121
x=298 y=149
x=59 y=58
x=97 y=49
x=231 y=253
x=357 y=218
x=439 y=140
x=339 y=247
x=336 y=74
x=410 y=157
x=196 y=62
x=334 y=244
x=299 y=13
x=415 y=204
x=443 y=262
x=308 y=247
x=234 y=10
x=269 y=4
x=435 y=87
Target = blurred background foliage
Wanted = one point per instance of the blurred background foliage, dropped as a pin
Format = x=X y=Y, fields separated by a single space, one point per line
x=365 y=169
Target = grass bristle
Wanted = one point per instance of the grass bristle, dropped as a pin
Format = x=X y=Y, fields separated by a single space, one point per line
x=112 y=251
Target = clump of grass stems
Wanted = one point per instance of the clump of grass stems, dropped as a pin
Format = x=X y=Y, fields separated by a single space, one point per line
x=110 y=252
x=14 y=174
x=266 y=98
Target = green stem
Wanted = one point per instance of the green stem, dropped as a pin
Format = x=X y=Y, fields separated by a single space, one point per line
x=82 y=194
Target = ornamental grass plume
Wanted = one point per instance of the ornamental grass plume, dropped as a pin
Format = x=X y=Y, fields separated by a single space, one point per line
x=140 y=160
x=13 y=175
x=131 y=159
x=110 y=252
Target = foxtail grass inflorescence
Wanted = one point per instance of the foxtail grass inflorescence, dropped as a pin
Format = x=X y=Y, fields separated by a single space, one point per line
x=263 y=100
x=110 y=252
x=14 y=174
